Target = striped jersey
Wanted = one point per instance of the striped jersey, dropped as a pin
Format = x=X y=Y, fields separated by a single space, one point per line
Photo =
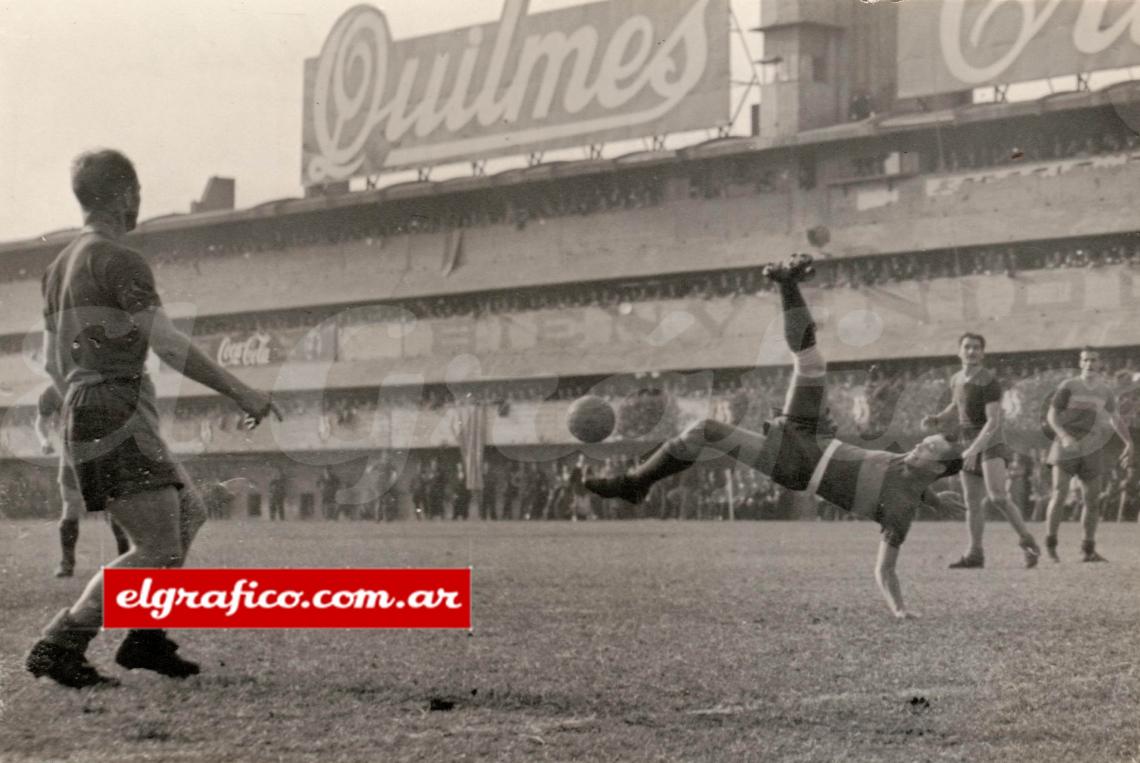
x=1083 y=407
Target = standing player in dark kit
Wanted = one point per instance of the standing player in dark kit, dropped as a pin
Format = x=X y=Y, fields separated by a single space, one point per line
x=976 y=396
x=799 y=452
x=102 y=313
x=1083 y=416
x=47 y=412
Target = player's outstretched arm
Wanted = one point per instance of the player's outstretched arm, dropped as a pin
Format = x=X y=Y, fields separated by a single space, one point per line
x=888 y=580
x=51 y=357
x=179 y=352
x=43 y=436
x=50 y=347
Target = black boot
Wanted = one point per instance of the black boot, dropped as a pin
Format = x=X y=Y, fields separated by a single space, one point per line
x=1088 y=552
x=152 y=650
x=634 y=485
x=68 y=537
x=59 y=655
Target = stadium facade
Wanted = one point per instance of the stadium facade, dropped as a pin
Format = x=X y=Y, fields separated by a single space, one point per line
x=388 y=319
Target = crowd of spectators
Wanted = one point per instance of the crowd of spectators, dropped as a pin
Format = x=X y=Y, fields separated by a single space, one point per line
x=994 y=144
x=849 y=272
x=864 y=400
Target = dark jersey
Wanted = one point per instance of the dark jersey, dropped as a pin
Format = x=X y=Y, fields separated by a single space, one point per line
x=92 y=292
x=1083 y=407
x=972 y=395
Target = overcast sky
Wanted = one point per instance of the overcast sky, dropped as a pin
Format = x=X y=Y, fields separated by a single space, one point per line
x=187 y=89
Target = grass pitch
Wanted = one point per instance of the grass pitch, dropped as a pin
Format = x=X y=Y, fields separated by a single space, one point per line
x=617 y=641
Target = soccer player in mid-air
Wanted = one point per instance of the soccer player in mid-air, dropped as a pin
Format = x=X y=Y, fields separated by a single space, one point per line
x=47 y=416
x=102 y=313
x=1083 y=416
x=976 y=396
x=798 y=449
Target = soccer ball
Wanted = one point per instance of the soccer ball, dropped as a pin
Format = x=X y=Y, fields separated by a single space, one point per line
x=590 y=419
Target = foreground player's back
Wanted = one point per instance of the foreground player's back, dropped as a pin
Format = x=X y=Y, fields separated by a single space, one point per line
x=91 y=291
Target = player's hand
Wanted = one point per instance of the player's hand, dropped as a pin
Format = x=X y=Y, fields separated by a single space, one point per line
x=1067 y=442
x=969 y=454
x=257 y=405
x=930 y=422
x=1126 y=457
x=46 y=448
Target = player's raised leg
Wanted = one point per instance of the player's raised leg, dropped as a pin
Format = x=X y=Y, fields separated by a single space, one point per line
x=804 y=403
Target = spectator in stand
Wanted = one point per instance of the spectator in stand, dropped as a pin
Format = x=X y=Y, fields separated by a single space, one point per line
x=328 y=486
x=370 y=487
x=461 y=496
x=436 y=489
x=278 y=490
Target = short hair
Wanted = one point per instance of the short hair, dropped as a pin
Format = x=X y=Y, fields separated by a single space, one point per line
x=99 y=176
x=970 y=335
x=1089 y=348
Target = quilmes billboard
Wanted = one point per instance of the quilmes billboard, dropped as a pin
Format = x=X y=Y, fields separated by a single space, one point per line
x=947 y=45
x=526 y=83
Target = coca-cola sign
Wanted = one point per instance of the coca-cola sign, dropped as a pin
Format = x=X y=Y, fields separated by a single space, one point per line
x=273 y=346
x=948 y=45
x=527 y=83
x=255 y=350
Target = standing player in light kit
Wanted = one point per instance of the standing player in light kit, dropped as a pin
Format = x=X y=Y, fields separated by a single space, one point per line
x=102 y=313
x=1083 y=416
x=976 y=396
x=799 y=452
x=47 y=413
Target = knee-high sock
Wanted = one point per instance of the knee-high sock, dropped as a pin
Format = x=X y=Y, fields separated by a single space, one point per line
x=799 y=327
x=68 y=537
x=122 y=543
x=65 y=632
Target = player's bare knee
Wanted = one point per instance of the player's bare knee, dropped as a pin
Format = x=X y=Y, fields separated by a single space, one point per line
x=155 y=552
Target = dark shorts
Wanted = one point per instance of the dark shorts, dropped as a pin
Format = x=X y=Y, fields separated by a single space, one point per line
x=794 y=441
x=1088 y=466
x=111 y=440
x=995 y=450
